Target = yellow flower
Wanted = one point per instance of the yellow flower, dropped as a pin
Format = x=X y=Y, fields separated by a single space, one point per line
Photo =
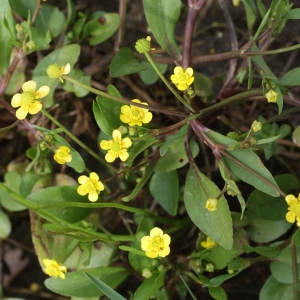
x=116 y=147
x=236 y=2
x=271 y=96
x=211 y=204
x=55 y=71
x=27 y=100
x=62 y=155
x=157 y=244
x=90 y=185
x=294 y=209
x=209 y=243
x=54 y=269
x=256 y=126
x=182 y=78
x=135 y=116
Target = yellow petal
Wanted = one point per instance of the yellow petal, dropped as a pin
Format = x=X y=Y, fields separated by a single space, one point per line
x=178 y=70
x=42 y=92
x=138 y=101
x=167 y=239
x=291 y=217
x=190 y=80
x=68 y=158
x=145 y=242
x=22 y=112
x=109 y=157
x=189 y=72
x=93 y=196
x=147 y=117
x=126 y=143
x=82 y=179
x=29 y=86
x=46 y=262
x=16 y=100
x=291 y=200
x=164 y=252
x=94 y=177
x=182 y=86
x=151 y=254
x=174 y=78
x=125 y=109
x=35 y=107
x=117 y=135
x=67 y=69
x=156 y=232
x=62 y=275
x=105 y=145
x=124 y=119
x=81 y=190
x=123 y=154
x=99 y=186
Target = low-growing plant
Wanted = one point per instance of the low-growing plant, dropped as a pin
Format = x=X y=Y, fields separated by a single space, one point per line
x=161 y=194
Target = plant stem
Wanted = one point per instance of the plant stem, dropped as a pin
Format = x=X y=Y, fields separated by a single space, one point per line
x=169 y=86
x=276 y=51
x=125 y=101
x=75 y=139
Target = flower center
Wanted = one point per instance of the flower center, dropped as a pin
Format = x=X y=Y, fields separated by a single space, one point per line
x=183 y=77
x=116 y=147
x=156 y=243
x=89 y=186
x=52 y=271
x=27 y=97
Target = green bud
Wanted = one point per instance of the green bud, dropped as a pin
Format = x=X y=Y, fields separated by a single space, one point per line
x=233 y=135
x=143 y=45
x=53 y=71
x=146 y=273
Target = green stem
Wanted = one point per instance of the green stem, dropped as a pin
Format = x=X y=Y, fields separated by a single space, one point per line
x=72 y=136
x=10 y=126
x=169 y=86
x=283 y=113
x=125 y=101
x=135 y=251
x=277 y=51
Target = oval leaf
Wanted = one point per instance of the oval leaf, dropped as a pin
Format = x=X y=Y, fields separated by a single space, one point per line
x=217 y=224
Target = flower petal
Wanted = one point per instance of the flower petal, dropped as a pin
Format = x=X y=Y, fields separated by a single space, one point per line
x=291 y=200
x=178 y=70
x=291 y=217
x=126 y=143
x=35 y=107
x=81 y=190
x=145 y=241
x=125 y=119
x=117 y=135
x=189 y=72
x=167 y=239
x=22 y=112
x=66 y=69
x=125 y=109
x=82 y=179
x=156 y=232
x=42 y=92
x=16 y=100
x=94 y=177
x=93 y=196
x=151 y=254
x=174 y=78
x=68 y=158
x=109 y=157
x=123 y=154
x=105 y=145
x=164 y=252
x=147 y=117
x=29 y=86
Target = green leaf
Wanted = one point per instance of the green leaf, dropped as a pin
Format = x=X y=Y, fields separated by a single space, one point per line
x=164 y=187
x=220 y=257
x=264 y=231
x=260 y=204
x=250 y=10
x=80 y=77
x=293 y=14
x=218 y=280
x=62 y=56
x=6 y=34
x=266 y=251
x=279 y=98
x=203 y=85
x=217 y=224
x=296 y=238
x=149 y=286
x=76 y=284
x=274 y=290
x=292 y=77
x=254 y=171
x=138 y=147
x=175 y=156
x=108 y=115
x=296 y=136
x=13 y=181
x=149 y=76
x=104 y=288
x=105 y=30
x=27 y=183
x=282 y=272
x=5 y=225
x=60 y=194
x=268 y=140
x=162 y=17
x=217 y=293
x=125 y=63
x=172 y=138
x=77 y=162
x=141 y=183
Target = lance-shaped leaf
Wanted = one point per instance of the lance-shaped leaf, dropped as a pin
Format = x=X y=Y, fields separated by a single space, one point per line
x=216 y=224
